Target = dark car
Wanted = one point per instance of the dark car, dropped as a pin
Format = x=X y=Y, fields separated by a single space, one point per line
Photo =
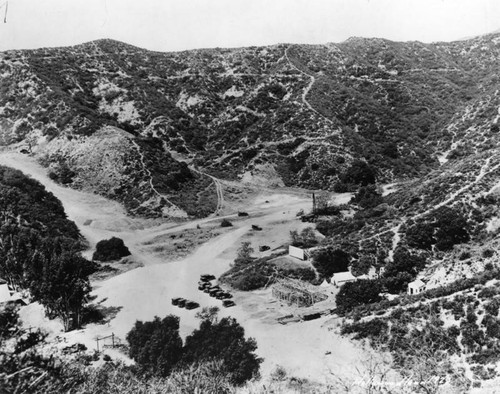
x=213 y=292
x=223 y=295
x=207 y=277
x=182 y=303
x=240 y=213
x=175 y=301
x=204 y=285
x=192 y=305
x=228 y=303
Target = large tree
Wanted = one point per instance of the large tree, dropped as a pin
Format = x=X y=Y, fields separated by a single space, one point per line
x=224 y=341
x=353 y=294
x=329 y=260
x=156 y=345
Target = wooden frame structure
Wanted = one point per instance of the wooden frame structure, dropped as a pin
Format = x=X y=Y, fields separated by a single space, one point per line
x=296 y=292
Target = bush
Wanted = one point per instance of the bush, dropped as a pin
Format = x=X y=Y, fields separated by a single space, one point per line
x=370 y=329
x=226 y=223
x=110 y=249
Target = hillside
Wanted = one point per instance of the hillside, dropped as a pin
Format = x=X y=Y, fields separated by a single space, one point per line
x=119 y=120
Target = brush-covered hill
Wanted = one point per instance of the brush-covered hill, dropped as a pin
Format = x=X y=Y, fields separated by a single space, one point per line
x=119 y=120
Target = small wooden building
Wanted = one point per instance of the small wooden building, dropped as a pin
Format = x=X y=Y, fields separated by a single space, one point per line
x=416 y=287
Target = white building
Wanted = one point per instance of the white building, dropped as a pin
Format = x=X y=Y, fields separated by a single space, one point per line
x=339 y=278
x=5 y=293
x=299 y=253
x=416 y=287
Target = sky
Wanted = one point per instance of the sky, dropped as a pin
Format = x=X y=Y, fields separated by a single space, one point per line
x=173 y=25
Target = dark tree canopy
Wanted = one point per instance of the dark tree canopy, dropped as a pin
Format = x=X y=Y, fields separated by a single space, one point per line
x=367 y=197
x=110 y=249
x=443 y=229
x=40 y=248
x=156 y=345
x=451 y=228
x=404 y=261
x=225 y=341
x=359 y=173
x=353 y=294
x=329 y=260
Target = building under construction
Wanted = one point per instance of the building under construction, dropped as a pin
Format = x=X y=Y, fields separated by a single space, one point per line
x=296 y=292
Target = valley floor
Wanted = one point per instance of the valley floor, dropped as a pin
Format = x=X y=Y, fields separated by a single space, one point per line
x=312 y=350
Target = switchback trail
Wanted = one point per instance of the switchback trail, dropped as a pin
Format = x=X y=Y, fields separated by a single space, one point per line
x=307 y=88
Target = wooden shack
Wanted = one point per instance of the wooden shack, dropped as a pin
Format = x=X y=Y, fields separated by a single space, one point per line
x=296 y=292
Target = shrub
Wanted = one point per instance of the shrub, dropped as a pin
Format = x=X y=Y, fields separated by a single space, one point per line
x=487 y=253
x=110 y=249
x=374 y=328
x=226 y=223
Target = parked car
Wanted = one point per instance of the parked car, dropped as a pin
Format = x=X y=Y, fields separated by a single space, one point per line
x=240 y=213
x=228 y=303
x=256 y=228
x=207 y=277
x=223 y=295
x=214 y=291
x=192 y=305
x=175 y=301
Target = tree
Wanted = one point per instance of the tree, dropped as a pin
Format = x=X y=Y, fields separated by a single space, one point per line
x=208 y=313
x=445 y=228
x=359 y=173
x=329 y=260
x=308 y=236
x=110 y=249
x=224 y=341
x=59 y=279
x=295 y=238
x=244 y=254
x=404 y=261
x=421 y=235
x=360 y=292
x=156 y=345
x=451 y=228
x=362 y=265
x=367 y=197
x=306 y=239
